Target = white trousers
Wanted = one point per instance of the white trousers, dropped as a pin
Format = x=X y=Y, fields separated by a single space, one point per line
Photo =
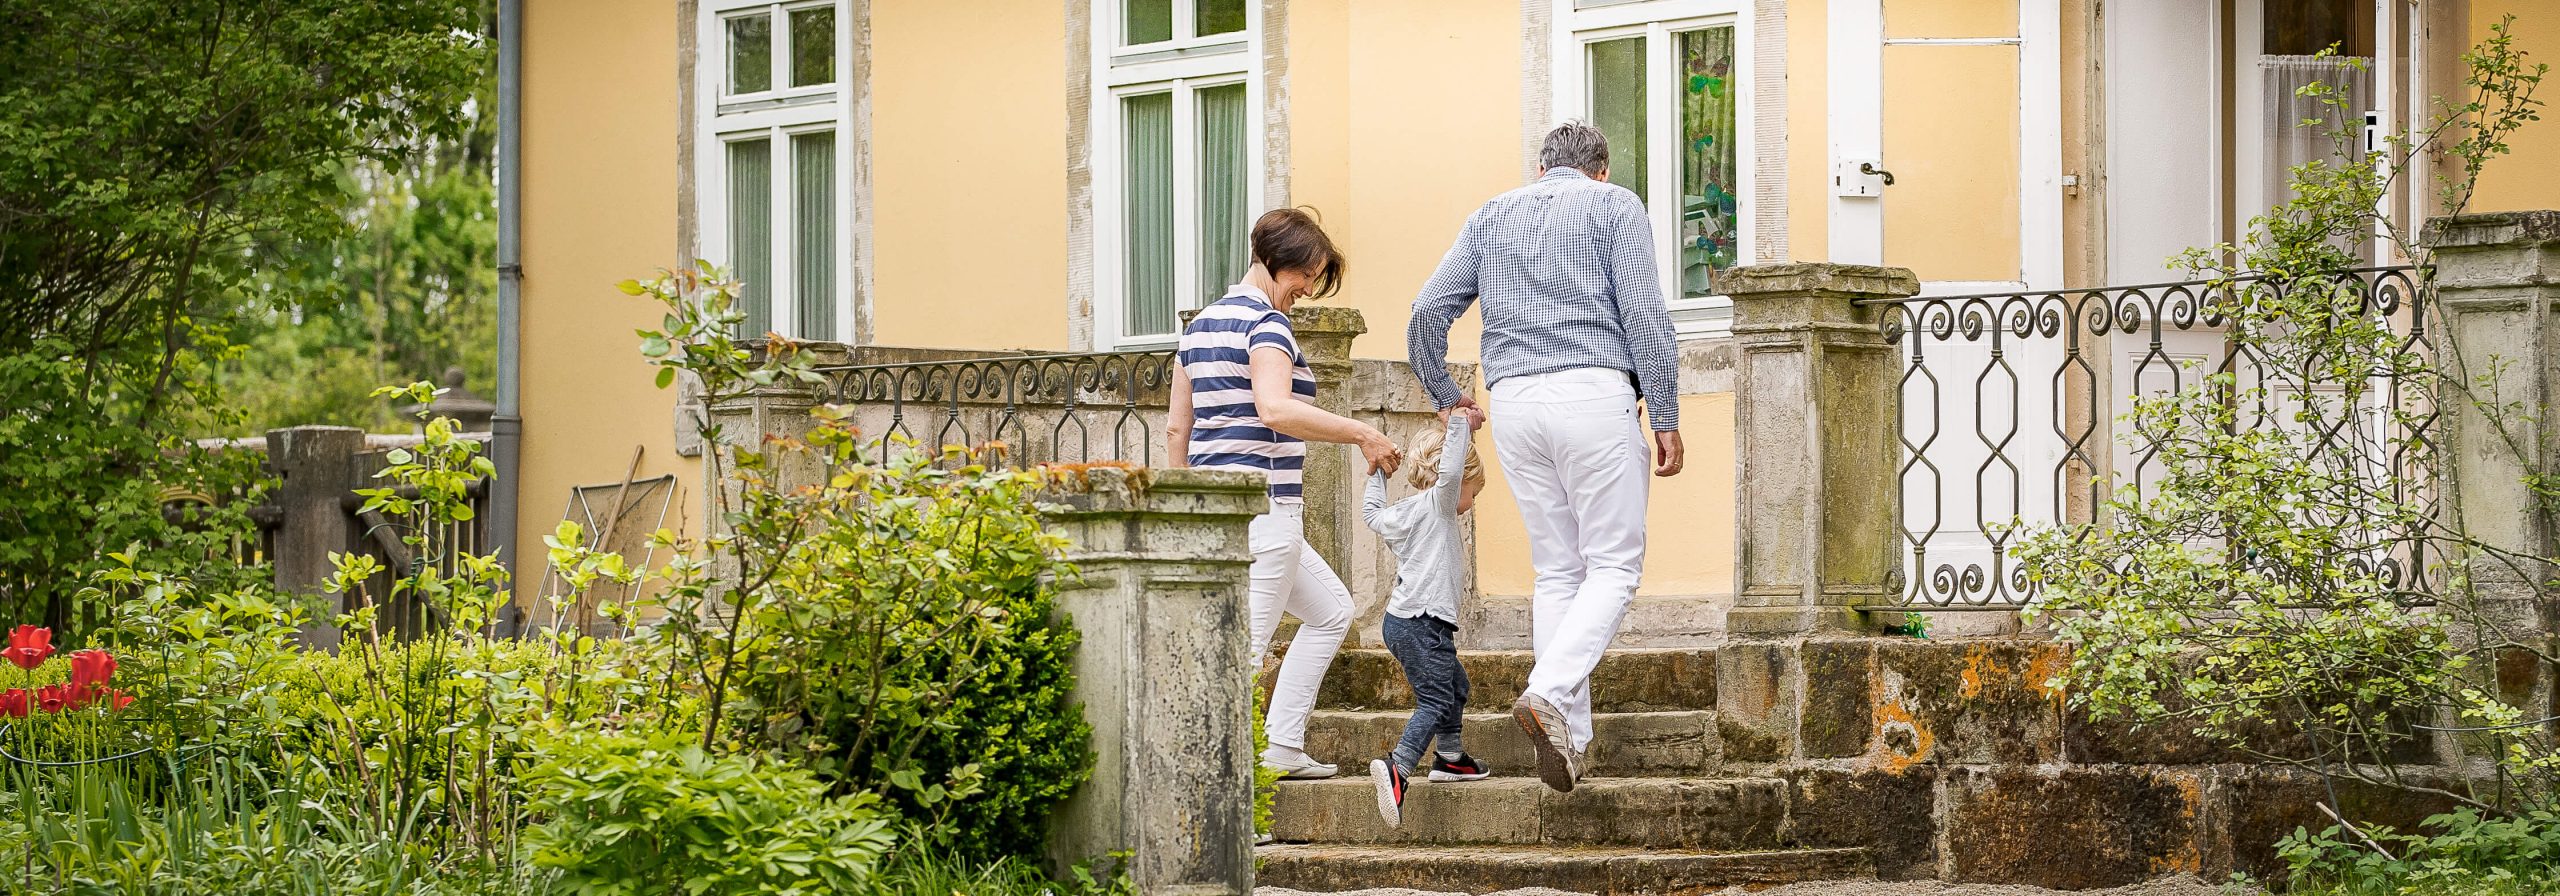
x=1574 y=454
x=1287 y=576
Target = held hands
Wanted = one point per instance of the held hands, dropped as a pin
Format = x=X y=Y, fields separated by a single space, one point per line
x=1383 y=456
x=1476 y=416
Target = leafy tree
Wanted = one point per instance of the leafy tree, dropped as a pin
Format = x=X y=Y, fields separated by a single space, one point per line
x=148 y=148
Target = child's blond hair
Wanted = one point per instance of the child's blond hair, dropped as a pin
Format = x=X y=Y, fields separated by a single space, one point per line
x=1422 y=457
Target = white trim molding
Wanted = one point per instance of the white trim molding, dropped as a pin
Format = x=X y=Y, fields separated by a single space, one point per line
x=777 y=112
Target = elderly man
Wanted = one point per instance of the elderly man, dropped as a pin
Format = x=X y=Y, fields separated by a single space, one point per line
x=1575 y=332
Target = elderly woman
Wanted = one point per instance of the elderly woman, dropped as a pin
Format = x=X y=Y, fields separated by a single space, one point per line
x=1249 y=397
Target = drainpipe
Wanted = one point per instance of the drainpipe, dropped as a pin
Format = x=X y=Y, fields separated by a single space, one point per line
x=507 y=425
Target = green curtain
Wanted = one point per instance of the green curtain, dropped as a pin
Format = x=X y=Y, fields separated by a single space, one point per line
x=1223 y=188
x=813 y=234
x=751 y=231
x=1710 y=162
x=1618 y=108
x=1147 y=198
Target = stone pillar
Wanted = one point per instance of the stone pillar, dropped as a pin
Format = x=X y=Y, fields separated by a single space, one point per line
x=757 y=418
x=1162 y=676
x=2497 y=298
x=1333 y=471
x=317 y=466
x=1818 y=480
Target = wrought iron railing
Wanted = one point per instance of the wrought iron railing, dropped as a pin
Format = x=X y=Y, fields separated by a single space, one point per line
x=2011 y=403
x=1055 y=408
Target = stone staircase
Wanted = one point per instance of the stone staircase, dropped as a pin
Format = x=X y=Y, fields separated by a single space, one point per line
x=1658 y=810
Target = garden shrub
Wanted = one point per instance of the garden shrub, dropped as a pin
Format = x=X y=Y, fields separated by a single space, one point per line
x=895 y=626
x=2459 y=852
x=641 y=815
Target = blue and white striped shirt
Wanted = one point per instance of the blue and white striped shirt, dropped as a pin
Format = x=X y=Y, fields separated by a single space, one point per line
x=1216 y=351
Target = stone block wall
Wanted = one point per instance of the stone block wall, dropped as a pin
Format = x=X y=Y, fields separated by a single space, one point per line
x=1957 y=760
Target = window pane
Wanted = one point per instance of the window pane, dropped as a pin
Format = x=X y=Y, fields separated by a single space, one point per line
x=1710 y=168
x=813 y=234
x=1617 y=108
x=1218 y=16
x=1223 y=188
x=2305 y=27
x=1148 y=21
x=751 y=53
x=813 y=46
x=1148 y=198
x=751 y=231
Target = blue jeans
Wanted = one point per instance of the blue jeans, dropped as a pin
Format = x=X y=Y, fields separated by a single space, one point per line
x=1428 y=648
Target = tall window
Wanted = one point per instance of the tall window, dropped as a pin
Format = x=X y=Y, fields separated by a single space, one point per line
x=1176 y=159
x=768 y=191
x=1664 y=80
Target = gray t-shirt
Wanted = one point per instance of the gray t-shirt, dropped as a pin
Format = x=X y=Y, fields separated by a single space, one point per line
x=1423 y=531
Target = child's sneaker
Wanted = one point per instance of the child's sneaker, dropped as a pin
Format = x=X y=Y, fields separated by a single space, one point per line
x=1390 y=781
x=1463 y=768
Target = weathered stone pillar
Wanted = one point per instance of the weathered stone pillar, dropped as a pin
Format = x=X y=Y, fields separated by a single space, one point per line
x=318 y=467
x=2497 y=295
x=1817 y=401
x=1162 y=675
x=1333 y=472
x=754 y=420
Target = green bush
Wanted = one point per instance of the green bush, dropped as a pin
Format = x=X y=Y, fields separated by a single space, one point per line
x=628 y=815
x=895 y=624
x=2465 y=853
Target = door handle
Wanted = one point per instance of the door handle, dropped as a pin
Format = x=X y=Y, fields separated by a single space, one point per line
x=1870 y=168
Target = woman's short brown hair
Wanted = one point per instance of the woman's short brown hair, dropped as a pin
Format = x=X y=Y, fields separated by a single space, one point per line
x=1289 y=239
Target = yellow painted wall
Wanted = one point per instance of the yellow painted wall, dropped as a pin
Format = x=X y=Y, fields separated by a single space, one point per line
x=1808 y=133
x=1951 y=18
x=2524 y=180
x=968 y=142
x=600 y=187
x=1414 y=161
x=1951 y=140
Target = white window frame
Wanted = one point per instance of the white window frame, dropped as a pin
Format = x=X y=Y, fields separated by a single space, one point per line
x=776 y=114
x=1182 y=66
x=1657 y=21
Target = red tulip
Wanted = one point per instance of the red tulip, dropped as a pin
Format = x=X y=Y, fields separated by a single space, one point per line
x=13 y=703
x=118 y=700
x=91 y=668
x=54 y=697
x=28 y=646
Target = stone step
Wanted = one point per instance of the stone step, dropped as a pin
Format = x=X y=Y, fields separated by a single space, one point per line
x=1623 y=744
x=1602 y=872
x=1495 y=622
x=1634 y=680
x=1513 y=809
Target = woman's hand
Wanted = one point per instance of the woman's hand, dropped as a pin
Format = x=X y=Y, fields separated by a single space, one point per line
x=1382 y=455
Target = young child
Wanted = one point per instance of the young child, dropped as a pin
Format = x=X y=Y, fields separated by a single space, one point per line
x=1422 y=615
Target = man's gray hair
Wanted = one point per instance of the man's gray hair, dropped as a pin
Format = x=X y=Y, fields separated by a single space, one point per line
x=1576 y=144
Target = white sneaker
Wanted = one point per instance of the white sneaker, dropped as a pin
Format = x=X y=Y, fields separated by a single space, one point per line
x=1310 y=770
x=1559 y=764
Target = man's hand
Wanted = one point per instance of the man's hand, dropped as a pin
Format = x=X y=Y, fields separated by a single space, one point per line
x=1667 y=453
x=1475 y=414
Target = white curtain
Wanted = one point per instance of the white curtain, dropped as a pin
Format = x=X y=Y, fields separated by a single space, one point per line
x=2290 y=142
x=1222 y=189
x=751 y=231
x=1148 y=199
x=813 y=234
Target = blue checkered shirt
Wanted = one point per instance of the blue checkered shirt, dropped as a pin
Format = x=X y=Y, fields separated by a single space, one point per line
x=1564 y=268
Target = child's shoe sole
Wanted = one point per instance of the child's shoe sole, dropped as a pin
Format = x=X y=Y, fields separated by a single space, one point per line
x=1390 y=801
